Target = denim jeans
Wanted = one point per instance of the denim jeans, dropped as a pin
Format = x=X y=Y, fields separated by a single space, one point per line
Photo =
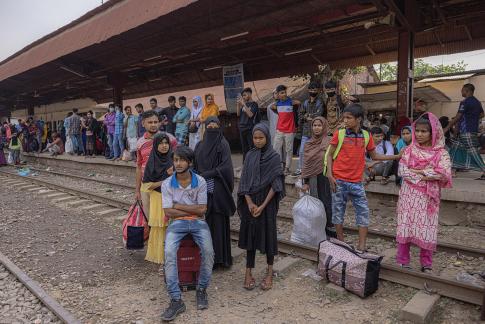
x=356 y=193
x=77 y=143
x=201 y=234
x=110 y=145
x=118 y=145
x=304 y=139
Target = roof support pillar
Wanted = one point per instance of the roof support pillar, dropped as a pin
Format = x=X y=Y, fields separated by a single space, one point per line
x=117 y=81
x=405 y=63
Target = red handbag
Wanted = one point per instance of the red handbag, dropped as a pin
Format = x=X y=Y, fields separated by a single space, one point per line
x=135 y=228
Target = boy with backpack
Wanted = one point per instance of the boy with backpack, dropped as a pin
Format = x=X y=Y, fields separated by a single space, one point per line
x=345 y=163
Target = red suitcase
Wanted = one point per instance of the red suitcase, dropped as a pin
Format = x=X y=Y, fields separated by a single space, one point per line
x=188 y=263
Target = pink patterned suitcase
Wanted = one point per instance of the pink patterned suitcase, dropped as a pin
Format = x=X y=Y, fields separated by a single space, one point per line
x=342 y=265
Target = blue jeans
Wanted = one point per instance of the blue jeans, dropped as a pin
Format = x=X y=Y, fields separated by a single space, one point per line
x=201 y=234
x=110 y=145
x=77 y=143
x=304 y=139
x=356 y=193
x=118 y=145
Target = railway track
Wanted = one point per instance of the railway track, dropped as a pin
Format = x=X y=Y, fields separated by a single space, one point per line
x=28 y=304
x=443 y=286
x=442 y=246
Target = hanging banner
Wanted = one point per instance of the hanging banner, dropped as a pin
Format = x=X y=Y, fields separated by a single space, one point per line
x=233 y=85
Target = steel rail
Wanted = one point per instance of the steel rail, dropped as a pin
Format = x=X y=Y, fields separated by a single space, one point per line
x=442 y=286
x=34 y=287
x=389 y=272
x=441 y=247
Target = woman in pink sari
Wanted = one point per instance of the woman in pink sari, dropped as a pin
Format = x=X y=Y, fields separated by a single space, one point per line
x=425 y=168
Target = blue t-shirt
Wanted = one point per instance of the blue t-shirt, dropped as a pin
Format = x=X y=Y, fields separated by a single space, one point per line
x=471 y=109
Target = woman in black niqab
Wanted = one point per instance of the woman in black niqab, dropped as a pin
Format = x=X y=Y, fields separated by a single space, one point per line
x=213 y=162
x=261 y=188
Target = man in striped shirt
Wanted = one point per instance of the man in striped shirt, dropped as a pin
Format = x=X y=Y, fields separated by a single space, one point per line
x=143 y=149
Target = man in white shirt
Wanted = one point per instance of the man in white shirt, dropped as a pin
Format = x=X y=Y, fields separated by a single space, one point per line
x=184 y=200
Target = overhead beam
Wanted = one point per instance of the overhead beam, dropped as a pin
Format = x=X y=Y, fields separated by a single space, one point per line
x=401 y=17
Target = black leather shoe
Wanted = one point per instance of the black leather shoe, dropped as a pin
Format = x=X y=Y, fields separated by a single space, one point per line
x=202 y=300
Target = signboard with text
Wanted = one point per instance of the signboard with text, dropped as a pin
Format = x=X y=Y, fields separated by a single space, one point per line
x=233 y=85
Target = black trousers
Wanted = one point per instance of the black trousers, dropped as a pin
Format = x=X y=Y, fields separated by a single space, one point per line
x=246 y=141
x=251 y=259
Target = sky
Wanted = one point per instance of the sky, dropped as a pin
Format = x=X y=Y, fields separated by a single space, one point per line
x=24 y=21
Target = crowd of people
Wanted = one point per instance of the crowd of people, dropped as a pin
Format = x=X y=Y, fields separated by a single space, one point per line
x=185 y=175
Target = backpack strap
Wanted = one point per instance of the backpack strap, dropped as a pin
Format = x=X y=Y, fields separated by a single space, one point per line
x=366 y=138
x=341 y=137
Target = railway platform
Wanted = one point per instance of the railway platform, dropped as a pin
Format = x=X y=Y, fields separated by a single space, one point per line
x=464 y=202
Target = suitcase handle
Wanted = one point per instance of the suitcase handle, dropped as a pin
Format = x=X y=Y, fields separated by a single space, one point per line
x=328 y=268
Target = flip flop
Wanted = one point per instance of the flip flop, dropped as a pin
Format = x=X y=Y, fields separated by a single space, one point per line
x=384 y=181
x=482 y=177
x=264 y=285
x=251 y=286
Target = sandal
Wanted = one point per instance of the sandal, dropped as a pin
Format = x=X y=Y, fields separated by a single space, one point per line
x=264 y=283
x=426 y=270
x=251 y=285
x=482 y=177
x=384 y=181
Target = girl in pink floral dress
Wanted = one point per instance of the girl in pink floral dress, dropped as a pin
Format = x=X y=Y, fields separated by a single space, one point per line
x=425 y=168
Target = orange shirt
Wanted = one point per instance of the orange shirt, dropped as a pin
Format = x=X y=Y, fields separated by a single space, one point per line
x=350 y=162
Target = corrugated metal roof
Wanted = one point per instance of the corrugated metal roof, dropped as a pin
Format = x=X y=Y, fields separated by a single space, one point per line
x=114 y=20
x=427 y=93
x=447 y=78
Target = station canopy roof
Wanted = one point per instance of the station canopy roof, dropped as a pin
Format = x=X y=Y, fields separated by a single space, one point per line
x=426 y=93
x=155 y=46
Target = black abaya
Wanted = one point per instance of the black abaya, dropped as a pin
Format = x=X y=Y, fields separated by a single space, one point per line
x=213 y=162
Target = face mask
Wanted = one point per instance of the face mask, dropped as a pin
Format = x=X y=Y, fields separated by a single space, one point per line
x=313 y=94
x=331 y=94
x=111 y=109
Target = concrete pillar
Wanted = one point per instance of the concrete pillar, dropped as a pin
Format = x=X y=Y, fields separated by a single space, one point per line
x=117 y=81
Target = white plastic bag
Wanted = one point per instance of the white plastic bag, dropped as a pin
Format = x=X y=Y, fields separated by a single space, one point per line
x=309 y=221
x=68 y=146
x=132 y=144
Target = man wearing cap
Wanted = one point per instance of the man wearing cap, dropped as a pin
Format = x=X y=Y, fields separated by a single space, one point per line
x=312 y=107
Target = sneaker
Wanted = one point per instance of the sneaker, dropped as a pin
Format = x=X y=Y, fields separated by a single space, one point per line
x=202 y=300
x=176 y=307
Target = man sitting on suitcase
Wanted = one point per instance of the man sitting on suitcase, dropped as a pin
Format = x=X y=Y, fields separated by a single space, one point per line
x=184 y=200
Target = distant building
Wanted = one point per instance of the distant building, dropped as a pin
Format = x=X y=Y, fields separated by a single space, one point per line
x=439 y=94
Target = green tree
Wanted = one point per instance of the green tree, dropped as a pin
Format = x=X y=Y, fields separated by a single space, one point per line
x=388 y=71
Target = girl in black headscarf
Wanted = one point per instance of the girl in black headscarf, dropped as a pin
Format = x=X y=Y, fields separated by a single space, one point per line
x=159 y=167
x=260 y=190
x=213 y=162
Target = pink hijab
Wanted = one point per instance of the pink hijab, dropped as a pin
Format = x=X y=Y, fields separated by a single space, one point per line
x=429 y=158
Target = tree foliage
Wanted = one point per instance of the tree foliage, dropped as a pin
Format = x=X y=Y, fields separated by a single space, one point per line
x=388 y=71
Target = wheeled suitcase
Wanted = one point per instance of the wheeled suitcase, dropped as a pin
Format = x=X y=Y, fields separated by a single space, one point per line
x=188 y=263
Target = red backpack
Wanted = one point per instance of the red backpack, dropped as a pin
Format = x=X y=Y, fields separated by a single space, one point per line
x=135 y=228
